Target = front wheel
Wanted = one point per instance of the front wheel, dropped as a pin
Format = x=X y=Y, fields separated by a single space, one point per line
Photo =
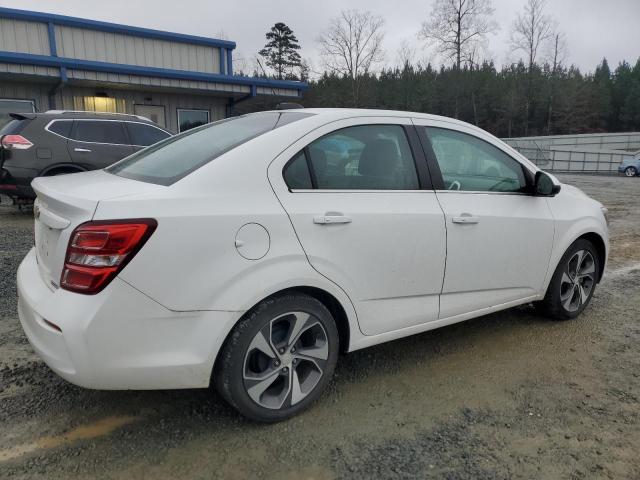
x=573 y=282
x=630 y=171
x=279 y=358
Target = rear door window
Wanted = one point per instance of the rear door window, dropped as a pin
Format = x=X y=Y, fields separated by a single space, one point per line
x=99 y=131
x=296 y=173
x=365 y=157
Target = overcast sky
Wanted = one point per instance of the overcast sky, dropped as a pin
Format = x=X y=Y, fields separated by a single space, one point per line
x=594 y=28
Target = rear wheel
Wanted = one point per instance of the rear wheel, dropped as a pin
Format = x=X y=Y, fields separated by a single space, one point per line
x=631 y=171
x=278 y=360
x=573 y=282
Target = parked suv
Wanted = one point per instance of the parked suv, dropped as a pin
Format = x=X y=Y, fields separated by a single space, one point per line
x=58 y=142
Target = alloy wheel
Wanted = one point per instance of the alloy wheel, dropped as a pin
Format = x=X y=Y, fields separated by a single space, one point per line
x=630 y=172
x=577 y=281
x=285 y=360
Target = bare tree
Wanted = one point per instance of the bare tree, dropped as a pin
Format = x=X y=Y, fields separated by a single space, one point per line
x=406 y=54
x=530 y=30
x=351 y=45
x=455 y=26
x=557 y=51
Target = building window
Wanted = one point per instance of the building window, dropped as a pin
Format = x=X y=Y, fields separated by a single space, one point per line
x=188 y=119
x=8 y=106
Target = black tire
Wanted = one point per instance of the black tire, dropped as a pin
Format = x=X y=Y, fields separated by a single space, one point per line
x=630 y=171
x=553 y=304
x=233 y=364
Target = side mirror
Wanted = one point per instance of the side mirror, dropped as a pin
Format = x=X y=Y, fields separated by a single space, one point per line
x=545 y=186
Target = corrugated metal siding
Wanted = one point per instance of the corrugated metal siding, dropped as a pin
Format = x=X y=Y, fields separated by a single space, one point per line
x=155 y=81
x=30 y=70
x=38 y=92
x=24 y=37
x=121 y=101
x=109 y=47
x=284 y=92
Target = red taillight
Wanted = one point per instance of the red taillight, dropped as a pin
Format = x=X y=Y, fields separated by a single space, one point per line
x=16 y=142
x=97 y=251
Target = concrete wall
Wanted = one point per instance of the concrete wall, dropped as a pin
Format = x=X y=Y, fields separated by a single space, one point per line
x=596 y=153
x=610 y=141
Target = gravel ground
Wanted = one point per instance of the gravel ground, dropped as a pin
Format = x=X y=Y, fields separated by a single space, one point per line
x=509 y=395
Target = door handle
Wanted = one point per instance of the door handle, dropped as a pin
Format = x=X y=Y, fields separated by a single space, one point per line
x=331 y=217
x=466 y=219
x=83 y=150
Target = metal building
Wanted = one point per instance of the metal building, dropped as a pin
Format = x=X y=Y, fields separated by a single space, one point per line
x=57 y=62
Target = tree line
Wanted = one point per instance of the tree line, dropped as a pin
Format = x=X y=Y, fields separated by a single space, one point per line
x=538 y=95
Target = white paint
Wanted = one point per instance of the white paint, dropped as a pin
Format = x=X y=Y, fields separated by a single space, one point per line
x=401 y=266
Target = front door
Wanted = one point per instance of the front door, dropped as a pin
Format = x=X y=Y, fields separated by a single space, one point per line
x=499 y=238
x=357 y=203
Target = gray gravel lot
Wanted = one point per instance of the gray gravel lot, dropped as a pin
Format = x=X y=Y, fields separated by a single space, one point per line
x=509 y=395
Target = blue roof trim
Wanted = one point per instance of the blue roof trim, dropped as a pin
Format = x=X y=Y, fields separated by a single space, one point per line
x=62 y=62
x=111 y=27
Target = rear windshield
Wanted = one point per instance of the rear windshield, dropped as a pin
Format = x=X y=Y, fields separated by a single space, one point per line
x=168 y=161
x=14 y=126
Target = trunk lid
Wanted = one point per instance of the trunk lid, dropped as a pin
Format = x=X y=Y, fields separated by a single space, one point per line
x=63 y=202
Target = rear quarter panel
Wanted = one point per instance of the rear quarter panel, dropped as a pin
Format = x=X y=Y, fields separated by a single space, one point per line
x=191 y=261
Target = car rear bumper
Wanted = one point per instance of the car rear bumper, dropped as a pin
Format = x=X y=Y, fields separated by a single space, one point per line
x=119 y=338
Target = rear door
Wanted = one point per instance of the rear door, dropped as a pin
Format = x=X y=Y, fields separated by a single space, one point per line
x=97 y=144
x=358 y=194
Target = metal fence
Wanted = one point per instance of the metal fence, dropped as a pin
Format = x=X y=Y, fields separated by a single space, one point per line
x=596 y=153
x=574 y=160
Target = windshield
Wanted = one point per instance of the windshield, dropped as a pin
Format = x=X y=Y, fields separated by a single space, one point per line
x=168 y=161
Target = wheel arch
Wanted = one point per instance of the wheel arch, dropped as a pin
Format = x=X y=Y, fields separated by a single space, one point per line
x=61 y=167
x=326 y=298
x=601 y=249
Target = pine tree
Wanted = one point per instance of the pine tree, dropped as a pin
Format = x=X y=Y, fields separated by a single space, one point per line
x=281 y=51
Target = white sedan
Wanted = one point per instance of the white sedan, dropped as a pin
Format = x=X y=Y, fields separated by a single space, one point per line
x=249 y=252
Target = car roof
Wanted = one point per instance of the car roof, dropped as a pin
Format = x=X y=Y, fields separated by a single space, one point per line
x=372 y=112
x=77 y=114
x=366 y=112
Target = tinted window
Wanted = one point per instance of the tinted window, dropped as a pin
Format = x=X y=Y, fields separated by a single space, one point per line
x=167 y=162
x=188 y=119
x=145 y=135
x=296 y=173
x=369 y=157
x=99 y=131
x=14 y=126
x=469 y=163
x=61 y=127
